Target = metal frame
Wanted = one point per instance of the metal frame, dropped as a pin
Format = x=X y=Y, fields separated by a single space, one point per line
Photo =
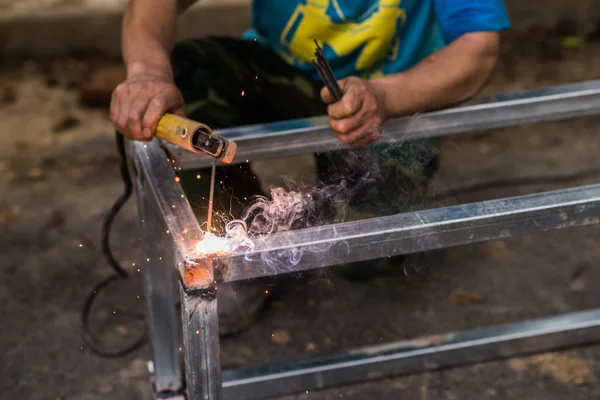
x=170 y=231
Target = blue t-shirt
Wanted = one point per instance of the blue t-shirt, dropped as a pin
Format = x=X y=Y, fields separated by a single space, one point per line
x=369 y=38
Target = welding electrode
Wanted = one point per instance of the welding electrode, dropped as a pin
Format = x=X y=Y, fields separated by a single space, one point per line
x=199 y=138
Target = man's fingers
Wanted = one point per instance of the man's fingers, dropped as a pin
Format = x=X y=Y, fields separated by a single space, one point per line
x=123 y=112
x=159 y=105
x=156 y=109
x=326 y=96
x=361 y=137
x=347 y=125
x=348 y=105
x=115 y=106
x=134 y=117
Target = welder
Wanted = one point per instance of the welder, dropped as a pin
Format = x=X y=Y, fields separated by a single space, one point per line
x=392 y=58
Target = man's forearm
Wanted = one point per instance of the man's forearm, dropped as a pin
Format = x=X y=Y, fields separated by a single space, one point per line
x=149 y=34
x=449 y=76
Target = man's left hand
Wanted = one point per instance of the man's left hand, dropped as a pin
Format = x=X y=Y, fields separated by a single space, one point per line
x=357 y=118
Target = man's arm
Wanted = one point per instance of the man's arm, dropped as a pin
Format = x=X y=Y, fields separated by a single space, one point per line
x=149 y=34
x=451 y=75
x=148 y=92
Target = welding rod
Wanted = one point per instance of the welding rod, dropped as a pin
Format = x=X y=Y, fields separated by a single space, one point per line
x=326 y=73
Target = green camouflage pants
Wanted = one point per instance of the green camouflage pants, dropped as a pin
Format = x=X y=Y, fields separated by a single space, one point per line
x=229 y=82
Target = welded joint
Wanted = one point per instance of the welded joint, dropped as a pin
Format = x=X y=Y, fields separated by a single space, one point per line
x=200 y=276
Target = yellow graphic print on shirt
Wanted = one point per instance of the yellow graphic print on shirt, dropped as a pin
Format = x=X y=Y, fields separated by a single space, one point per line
x=376 y=33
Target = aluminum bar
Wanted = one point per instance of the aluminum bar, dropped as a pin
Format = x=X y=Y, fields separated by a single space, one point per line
x=422 y=354
x=305 y=136
x=160 y=295
x=201 y=345
x=170 y=236
x=414 y=232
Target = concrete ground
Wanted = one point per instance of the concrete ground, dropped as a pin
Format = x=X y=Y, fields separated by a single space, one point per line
x=59 y=176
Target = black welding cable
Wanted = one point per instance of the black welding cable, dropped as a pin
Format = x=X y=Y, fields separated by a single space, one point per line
x=110 y=217
x=120 y=272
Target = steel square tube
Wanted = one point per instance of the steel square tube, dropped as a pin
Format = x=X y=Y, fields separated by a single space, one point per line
x=173 y=231
x=306 y=136
x=160 y=296
x=411 y=356
x=418 y=231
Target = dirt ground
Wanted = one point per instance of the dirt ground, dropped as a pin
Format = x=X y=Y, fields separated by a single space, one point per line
x=59 y=176
x=23 y=8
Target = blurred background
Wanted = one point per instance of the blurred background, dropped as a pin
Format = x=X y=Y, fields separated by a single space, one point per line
x=59 y=62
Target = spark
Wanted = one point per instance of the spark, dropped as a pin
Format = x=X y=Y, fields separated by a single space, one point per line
x=266 y=291
x=243 y=93
x=138 y=297
x=197 y=176
x=147 y=259
x=182 y=196
x=80 y=245
x=138 y=270
x=256 y=77
x=197 y=332
x=177 y=179
x=167 y=231
x=211 y=244
x=114 y=312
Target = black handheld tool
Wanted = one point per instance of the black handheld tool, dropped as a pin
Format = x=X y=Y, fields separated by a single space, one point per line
x=326 y=73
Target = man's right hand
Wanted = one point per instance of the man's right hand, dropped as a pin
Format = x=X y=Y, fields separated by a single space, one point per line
x=141 y=100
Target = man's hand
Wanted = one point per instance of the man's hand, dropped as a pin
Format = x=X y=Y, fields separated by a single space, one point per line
x=357 y=118
x=140 y=101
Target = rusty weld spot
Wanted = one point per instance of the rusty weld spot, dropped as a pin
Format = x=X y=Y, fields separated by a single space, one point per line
x=197 y=273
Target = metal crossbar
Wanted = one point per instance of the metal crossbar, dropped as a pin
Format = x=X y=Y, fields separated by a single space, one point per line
x=170 y=230
x=305 y=136
x=411 y=356
x=419 y=231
